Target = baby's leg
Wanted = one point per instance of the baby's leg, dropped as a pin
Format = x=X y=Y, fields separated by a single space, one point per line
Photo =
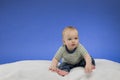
x=82 y=63
x=64 y=69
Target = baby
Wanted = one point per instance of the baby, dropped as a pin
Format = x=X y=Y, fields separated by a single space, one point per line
x=72 y=53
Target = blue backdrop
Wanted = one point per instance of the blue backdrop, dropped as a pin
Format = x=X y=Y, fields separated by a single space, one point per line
x=31 y=29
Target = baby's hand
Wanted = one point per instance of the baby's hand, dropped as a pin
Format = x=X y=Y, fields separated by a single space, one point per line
x=53 y=68
x=88 y=68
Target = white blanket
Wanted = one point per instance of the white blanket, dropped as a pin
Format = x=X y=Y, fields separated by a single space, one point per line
x=38 y=70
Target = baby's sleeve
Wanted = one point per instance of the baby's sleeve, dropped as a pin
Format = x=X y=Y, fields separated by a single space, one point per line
x=59 y=53
x=82 y=49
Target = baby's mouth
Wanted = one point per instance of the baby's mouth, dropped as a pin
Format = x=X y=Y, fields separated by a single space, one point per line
x=73 y=44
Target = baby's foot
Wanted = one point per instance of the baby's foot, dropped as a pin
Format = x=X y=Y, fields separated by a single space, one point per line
x=62 y=72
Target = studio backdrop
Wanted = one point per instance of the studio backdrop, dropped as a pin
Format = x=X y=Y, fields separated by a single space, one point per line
x=32 y=29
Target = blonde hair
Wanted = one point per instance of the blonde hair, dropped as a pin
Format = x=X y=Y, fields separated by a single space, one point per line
x=70 y=28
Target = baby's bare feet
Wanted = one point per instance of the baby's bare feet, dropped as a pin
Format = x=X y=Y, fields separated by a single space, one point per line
x=62 y=72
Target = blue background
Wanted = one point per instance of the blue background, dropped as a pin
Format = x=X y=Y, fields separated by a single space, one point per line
x=31 y=29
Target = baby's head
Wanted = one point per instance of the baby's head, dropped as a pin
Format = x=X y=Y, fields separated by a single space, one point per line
x=70 y=37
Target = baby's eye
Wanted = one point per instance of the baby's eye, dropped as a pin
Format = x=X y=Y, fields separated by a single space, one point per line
x=69 y=39
x=76 y=38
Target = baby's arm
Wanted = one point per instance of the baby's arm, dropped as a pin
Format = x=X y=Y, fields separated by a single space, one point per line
x=88 y=66
x=53 y=66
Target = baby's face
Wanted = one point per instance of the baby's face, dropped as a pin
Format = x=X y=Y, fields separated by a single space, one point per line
x=71 y=39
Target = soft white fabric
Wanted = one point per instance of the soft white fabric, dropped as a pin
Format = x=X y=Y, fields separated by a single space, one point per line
x=38 y=70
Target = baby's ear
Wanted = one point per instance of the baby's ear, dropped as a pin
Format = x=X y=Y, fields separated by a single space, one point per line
x=63 y=41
